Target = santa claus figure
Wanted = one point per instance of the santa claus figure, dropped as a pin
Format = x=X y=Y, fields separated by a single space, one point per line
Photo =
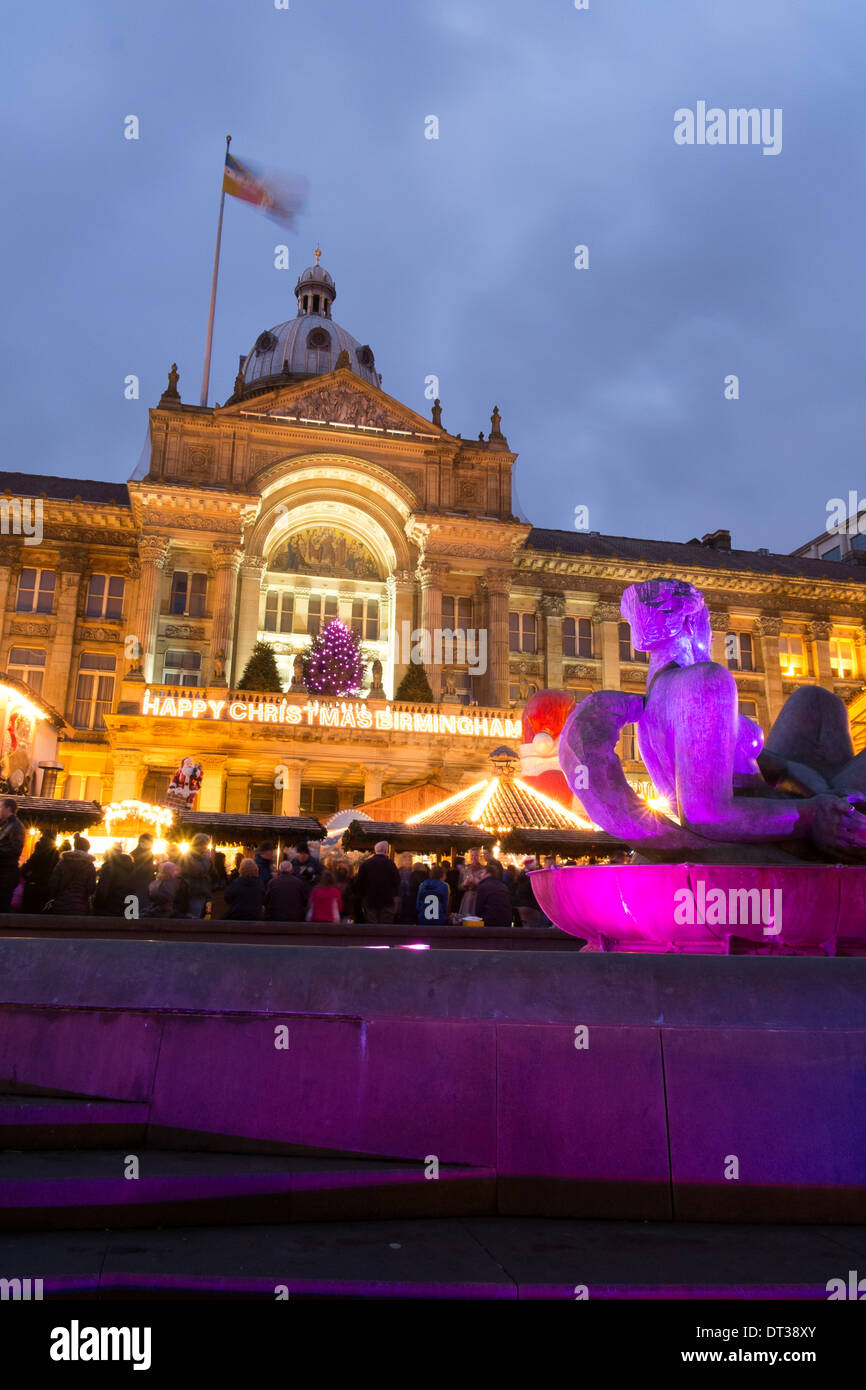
x=544 y=717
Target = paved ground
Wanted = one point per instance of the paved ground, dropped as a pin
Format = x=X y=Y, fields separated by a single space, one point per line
x=477 y=1257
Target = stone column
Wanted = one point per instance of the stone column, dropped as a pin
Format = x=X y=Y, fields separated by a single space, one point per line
x=431 y=575
x=238 y=778
x=401 y=609
x=345 y=599
x=58 y=685
x=210 y=797
x=497 y=586
x=290 y=794
x=228 y=559
x=768 y=629
x=606 y=617
x=249 y=606
x=5 y=583
x=130 y=770
x=819 y=633
x=553 y=612
x=720 y=622
x=373 y=779
x=153 y=554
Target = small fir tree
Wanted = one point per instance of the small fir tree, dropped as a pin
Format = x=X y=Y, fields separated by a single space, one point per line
x=415 y=686
x=261 y=671
x=334 y=664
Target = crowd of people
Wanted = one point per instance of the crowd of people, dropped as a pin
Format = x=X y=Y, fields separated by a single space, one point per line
x=195 y=881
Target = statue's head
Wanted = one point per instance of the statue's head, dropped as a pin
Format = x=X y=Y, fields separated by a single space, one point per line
x=668 y=613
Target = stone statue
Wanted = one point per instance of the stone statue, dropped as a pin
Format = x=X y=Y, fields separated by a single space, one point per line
x=495 y=422
x=218 y=675
x=376 y=685
x=239 y=383
x=171 y=392
x=803 y=796
x=298 y=675
x=437 y=412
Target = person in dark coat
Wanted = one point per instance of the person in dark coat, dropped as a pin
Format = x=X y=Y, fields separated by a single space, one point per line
x=528 y=909
x=114 y=886
x=12 y=839
x=493 y=900
x=379 y=885
x=162 y=892
x=305 y=866
x=73 y=882
x=37 y=871
x=143 y=872
x=197 y=872
x=286 y=896
x=245 y=893
x=264 y=857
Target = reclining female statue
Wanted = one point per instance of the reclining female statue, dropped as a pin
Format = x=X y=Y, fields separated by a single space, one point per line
x=797 y=799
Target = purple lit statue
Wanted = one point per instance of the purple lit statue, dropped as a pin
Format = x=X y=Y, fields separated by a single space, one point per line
x=797 y=799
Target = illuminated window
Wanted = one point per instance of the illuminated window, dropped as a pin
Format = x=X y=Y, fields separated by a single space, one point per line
x=182 y=668
x=94 y=690
x=27 y=664
x=792 y=657
x=36 y=591
x=738 y=650
x=576 y=637
x=365 y=618
x=188 y=594
x=843 y=659
x=521 y=632
x=105 y=596
x=456 y=613
x=627 y=745
x=320 y=612
x=279 y=611
x=626 y=650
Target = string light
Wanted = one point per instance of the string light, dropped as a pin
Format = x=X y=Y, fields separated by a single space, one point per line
x=159 y=816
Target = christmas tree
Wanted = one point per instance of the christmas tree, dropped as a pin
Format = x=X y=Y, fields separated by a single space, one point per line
x=415 y=686
x=261 y=671
x=335 y=665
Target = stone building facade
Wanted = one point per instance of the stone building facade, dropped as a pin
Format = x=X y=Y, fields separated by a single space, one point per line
x=132 y=608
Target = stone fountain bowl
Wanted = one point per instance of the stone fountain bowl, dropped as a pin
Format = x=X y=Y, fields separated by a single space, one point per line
x=816 y=909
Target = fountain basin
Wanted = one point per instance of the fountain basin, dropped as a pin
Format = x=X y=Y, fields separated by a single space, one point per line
x=816 y=909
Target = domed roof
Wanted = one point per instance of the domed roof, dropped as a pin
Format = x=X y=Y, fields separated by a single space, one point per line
x=307 y=345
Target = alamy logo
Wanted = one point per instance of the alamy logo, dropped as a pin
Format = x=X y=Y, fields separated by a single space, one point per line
x=22 y=516
x=443 y=647
x=737 y=126
x=738 y=907
x=22 y=1290
x=854 y=1289
x=77 y=1343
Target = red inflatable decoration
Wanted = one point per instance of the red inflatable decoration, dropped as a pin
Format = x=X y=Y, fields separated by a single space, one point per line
x=544 y=717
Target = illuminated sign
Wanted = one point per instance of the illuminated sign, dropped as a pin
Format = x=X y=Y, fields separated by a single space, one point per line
x=341 y=714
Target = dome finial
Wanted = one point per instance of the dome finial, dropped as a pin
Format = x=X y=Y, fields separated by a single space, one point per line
x=318 y=253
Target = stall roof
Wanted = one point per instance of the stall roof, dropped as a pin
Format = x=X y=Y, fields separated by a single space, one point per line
x=365 y=834
x=55 y=812
x=289 y=829
x=570 y=843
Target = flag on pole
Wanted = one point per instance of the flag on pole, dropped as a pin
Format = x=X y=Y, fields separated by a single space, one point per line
x=279 y=197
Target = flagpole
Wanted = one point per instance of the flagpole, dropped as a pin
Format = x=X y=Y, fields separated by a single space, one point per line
x=205 y=383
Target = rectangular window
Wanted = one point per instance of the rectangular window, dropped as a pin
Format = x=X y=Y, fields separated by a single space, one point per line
x=27 y=664
x=750 y=709
x=521 y=632
x=318 y=801
x=843 y=659
x=314 y=615
x=36 y=591
x=188 y=594
x=262 y=799
x=738 y=650
x=569 y=637
x=182 y=668
x=105 y=596
x=279 y=611
x=834 y=553
x=792 y=657
x=627 y=652
x=365 y=618
x=456 y=613
x=584 y=637
x=94 y=690
x=628 y=748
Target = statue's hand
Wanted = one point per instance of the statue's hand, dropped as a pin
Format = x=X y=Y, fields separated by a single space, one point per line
x=837 y=825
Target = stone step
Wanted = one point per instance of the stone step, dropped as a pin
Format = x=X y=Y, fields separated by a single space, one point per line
x=68 y=1189
x=474 y=1258
x=60 y=1122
